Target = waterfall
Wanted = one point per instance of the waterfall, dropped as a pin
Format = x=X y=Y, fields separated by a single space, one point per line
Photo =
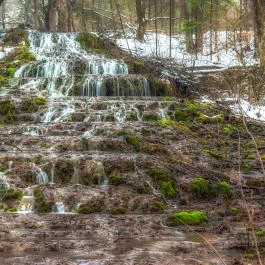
x=52 y=173
x=59 y=207
x=41 y=176
x=26 y=203
x=66 y=69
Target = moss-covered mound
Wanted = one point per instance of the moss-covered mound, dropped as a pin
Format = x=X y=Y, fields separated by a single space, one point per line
x=188 y=218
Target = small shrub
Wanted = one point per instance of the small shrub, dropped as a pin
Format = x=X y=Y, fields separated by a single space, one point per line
x=189 y=218
x=200 y=188
x=167 y=189
x=224 y=190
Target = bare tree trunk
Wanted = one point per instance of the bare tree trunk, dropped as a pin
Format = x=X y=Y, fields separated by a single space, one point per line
x=259 y=9
x=3 y=11
x=36 y=17
x=184 y=10
x=60 y=15
x=140 y=12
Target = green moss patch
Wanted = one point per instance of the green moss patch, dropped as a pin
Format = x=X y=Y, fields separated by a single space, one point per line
x=200 y=188
x=167 y=189
x=224 y=190
x=188 y=218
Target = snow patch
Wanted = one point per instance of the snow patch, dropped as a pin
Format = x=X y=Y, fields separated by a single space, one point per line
x=228 y=51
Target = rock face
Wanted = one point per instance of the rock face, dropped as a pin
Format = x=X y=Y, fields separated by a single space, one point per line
x=92 y=164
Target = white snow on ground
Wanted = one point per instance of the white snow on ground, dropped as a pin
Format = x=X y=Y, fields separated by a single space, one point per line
x=4 y=52
x=248 y=110
x=225 y=52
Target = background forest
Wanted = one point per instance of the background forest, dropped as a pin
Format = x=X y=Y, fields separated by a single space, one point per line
x=207 y=26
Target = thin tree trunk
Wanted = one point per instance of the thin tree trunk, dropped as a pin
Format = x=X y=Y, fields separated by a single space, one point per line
x=259 y=9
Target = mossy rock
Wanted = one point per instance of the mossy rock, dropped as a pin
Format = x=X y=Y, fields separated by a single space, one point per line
x=18 y=57
x=142 y=188
x=41 y=205
x=228 y=128
x=10 y=209
x=181 y=115
x=40 y=101
x=131 y=139
x=7 y=107
x=151 y=116
x=28 y=106
x=196 y=105
x=12 y=195
x=159 y=174
x=160 y=87
x=109 y=118
x=165 y=122
x=91 y=42
x=115 y=180
x=64 y=170
x=188 y=218
x=138 y=66
x=95 y=206
x=15 y=36
x=224 y=190
x=117 y=210
x=167 y=189
x=200 y=188
x=131 y=117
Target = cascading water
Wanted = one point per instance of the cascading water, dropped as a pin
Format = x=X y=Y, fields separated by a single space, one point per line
x=41 y=176
x=62 y=68
x=59 y=207
x=26 y=204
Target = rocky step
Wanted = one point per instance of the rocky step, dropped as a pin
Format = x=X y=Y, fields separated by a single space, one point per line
x=37 y=109
x=103 y=238
x=91 y=85
x=40 y=167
